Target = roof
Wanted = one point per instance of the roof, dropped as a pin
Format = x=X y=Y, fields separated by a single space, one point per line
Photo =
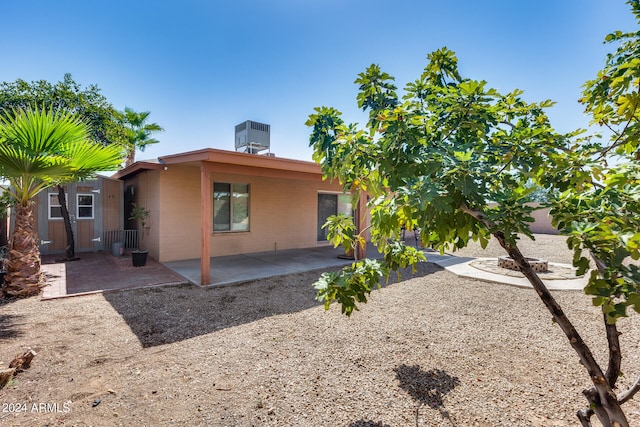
x=226 y=158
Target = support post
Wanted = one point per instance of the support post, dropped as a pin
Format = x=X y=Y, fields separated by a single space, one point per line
x=205 y=224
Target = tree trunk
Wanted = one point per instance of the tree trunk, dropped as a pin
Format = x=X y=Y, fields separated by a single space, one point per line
x=4 y=232
x=20 y=363
x=601 y=397
x=70 y=249
x=131 y=157
x=23 y=278
x=602 y=400
x=6 y=375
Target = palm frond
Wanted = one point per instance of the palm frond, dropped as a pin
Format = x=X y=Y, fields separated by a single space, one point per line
x=39 y=132
x=39 y=148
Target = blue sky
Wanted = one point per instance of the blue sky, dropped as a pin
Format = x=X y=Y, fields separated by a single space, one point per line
x=201 y=67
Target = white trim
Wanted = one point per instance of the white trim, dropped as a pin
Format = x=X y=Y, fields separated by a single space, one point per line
x=49 y=206
x=78 y=206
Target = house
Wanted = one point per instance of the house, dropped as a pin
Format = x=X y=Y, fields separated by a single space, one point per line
x=214 y=202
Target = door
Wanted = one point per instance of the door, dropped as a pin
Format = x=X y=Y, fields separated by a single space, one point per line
x=331 y=204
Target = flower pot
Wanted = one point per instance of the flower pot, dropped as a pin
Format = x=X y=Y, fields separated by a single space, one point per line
x=349 y=253
x=139 y=258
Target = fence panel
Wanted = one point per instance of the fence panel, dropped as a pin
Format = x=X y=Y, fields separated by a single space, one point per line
x=129 y=238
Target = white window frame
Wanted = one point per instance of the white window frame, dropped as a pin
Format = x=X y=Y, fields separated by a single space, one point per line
x=78 y=206
x=49 y=206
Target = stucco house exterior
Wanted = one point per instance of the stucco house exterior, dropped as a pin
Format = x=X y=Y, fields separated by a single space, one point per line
x=214 y=202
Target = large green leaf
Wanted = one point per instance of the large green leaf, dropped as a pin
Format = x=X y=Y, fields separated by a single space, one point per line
x=39 y=148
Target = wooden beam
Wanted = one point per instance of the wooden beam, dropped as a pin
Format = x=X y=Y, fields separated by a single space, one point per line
x=205 y=223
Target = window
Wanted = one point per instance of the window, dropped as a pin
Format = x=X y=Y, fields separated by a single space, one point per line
x=230 y=207
x=55 y=208
x=331 y=204
x=85 y=206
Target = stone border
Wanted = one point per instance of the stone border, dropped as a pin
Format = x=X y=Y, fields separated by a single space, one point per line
x=554 y=271
x=538 y=265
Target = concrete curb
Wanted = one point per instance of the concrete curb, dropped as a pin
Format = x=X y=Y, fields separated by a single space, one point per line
x=460 y=267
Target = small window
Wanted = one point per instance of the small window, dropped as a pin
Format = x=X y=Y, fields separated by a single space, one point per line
x=55 y=208
x=85 y=206
x=230 y=207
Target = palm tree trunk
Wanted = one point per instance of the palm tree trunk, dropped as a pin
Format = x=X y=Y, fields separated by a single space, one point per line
x=23 y=278
x=4 y=231
x=131 y=157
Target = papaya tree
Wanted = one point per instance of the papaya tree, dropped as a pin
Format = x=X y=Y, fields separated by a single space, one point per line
x=461 y=161
x=38 y=149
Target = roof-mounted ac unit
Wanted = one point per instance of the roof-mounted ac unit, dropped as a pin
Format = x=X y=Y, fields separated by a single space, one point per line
x=253 y=137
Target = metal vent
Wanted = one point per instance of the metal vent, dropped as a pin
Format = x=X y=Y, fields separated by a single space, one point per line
x=253 y=137
x=259 y=126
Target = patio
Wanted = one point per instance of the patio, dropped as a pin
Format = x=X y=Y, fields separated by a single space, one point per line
x=103 y=272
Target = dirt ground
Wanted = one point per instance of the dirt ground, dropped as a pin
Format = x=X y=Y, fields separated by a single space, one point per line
x=431 y=350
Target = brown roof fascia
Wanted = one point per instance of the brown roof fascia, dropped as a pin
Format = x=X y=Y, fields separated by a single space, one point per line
x=223 y=157
x=136 y=168
x=242 y=159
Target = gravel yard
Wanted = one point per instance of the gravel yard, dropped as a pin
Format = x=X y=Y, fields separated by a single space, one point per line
x=431 y=350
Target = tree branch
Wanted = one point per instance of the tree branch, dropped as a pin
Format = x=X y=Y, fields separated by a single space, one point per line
x=615 y=355
x=619 y=141
x=627 y=395
x=584 y=415
x=479 y=215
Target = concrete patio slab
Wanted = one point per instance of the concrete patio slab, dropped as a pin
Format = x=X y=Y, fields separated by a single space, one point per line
x=242 y=268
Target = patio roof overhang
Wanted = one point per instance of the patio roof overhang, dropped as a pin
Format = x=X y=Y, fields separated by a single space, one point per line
x=136 y=168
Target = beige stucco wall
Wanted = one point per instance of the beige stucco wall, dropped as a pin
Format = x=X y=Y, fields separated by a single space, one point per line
x=179 y=224
x=282 y=212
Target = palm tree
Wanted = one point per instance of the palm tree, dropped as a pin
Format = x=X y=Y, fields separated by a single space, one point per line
x=138 y=132
x=40 y=149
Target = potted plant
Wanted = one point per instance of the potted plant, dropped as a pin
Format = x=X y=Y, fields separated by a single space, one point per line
x=140 y=215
